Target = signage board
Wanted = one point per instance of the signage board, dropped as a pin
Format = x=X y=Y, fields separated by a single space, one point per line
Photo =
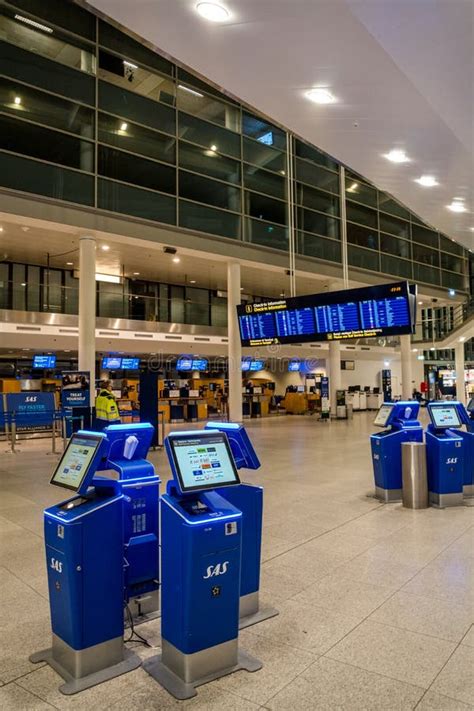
x=31 y=409
x=75 y=389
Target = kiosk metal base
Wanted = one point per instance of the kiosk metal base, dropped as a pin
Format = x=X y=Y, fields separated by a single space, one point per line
x=87 y=667
x=250 y=612
x=388 y=496
x=442 y=501
x=468 y=490
x=180 y=674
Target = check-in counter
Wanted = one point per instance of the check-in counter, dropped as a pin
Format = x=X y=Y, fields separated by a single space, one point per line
x=374 y=401
x=362 y=400
x=255 y=405
x=295 y=403
x=178 y=409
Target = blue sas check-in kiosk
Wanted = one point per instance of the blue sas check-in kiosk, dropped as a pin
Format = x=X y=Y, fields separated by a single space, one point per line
x=468 y=436
x=248 y=498
x=128 y=447
x=401 y=420
x=445 y=454
x=201 y=544
x=84 y=558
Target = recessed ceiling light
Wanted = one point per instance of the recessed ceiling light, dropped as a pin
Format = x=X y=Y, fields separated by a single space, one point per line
x=23 y=283
x=213 y=11
x=420 y=303
x=192 y=281
x=462 y=339
x=123 y=126
x=414 y=350
x=452 y=292
x=176 y=260
x=397 y=156
x=136 y=273
x=471 y=229
x=105 y=247
x=32 y=23
x=353 y=188
x=191 y=91
x=17 y=100
x=320 y=95
x=387 y=363
x=428 y=181
x=1 y=229
x=66 y=350
x=241 y=288
x=69 y=264
x=457 y=205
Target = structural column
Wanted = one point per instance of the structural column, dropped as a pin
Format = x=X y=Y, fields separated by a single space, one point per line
x=234 y=347
x=334 y=373
x=407 y=377
x=460 y=365
x=87 y=307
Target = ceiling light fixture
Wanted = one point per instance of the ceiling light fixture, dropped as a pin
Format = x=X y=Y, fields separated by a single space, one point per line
x=190 y=91
x=32 y=23
x=1 y=229
x=452 y=292
x=353 y=188
x=176 y=260
x=427 y=181
x=17 y=100
x=109 y=278
x=420 y=303
x=213 y=11
x=123 y=126
x=105 y=248
x=69 y=264
x=129 y=64
x=457 y=205
x=462 y=339
x=136 y=273
x=397 y=156
x=320 y=95
x=192 y=281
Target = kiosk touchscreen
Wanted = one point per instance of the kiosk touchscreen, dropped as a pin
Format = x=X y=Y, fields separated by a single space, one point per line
x=79 y=462
x=445 y=454
x=445 y=416
x=202 y=461
x=383 y=415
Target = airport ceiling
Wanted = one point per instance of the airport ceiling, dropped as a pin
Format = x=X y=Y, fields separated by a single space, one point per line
x=402 y=72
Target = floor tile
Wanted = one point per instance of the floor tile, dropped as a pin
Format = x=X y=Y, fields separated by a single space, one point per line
x=456 y=680
x=433 y=701
x=469 y=638
x=409 y=657
x=373 y=570
x=328 y=684
x=14 y=698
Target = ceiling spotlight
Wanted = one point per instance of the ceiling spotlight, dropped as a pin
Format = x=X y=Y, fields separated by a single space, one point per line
x=471 y=229
x=428 y=181
x=32 y=23
x=123 y=126
x=69 y=264
x=192 y=281
x=320 y=95
x=462 y=339
x=457 y=205
x=105 y=247
x=397 y=156
x=1 y=229
x=420 y=303
x=414 y=350
x=353 y=188
x=129 y=65
x=23 y=283
x=452 y=292
x=136 y=273
x=176 y=260
x=432 y=348
x=17 y=100
x=213 y=11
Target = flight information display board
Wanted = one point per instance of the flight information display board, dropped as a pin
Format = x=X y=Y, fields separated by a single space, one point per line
x=387 y=309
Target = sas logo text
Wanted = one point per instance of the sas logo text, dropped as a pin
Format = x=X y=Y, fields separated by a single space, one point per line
x=31 y=398
x=215 y=570
x=56 y=565
x=452 y=460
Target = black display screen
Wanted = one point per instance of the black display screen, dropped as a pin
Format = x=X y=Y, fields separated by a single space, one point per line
x=387 y=309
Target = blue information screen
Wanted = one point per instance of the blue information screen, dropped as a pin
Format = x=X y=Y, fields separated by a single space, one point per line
x=257 y=365
x=199 y=364
x=44 y=361
x=112 y=363
x=245 y=365
x=130 y=363
x=387 y=309
x=184 y=363
x=294 y=366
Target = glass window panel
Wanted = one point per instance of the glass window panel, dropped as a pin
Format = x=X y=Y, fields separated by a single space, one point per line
x=43 y=179
x=394 y=226
x=43 y=108
x=453 y=263
x=207 y=108
x=137 y=171
x=19 y=287
x=205 y=134
x=313 y=246
x=363 y=258
x=264 y=156
x=5 y=284
x=362 y=236
x=112 y=38
x=264 y=182
x=218 y=311
x=210 y=192
x=131 y=77
x=453 y=281
x=398 y=267
x=259 y=232
x=70 y=16
x=360 y=192
x=45 y=74
x=136 y=108
x=136 y=139
x=207 y=219
x=316 y=200
x=265 y=133
x=314 y=175
x=52 y=290
x=209 y=163
x=133 y=201
x=197 y=306
x=187 y=78
x=448 y=245
x=111 y=301
x=362 y=215
x=56 y=45
x=310 y=221
x=33 y=288
x=426 y=274
x=71 y=294
x=304 y=150
x=425 y=255
x=388 y=204
x=265 y=208
x=424 y=236
x=22 y=137
x=392 y=245
x=163 y=313
x=177 y=304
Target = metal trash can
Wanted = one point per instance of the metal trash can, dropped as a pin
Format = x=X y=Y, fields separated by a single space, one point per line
x=414 y=476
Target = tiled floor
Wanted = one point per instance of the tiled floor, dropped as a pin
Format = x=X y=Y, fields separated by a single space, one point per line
x=376 y=602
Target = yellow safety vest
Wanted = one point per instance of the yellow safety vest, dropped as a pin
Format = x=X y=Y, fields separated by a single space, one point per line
x=106 y=407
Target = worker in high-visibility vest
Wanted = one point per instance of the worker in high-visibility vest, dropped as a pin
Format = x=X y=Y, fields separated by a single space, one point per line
x=106 y=409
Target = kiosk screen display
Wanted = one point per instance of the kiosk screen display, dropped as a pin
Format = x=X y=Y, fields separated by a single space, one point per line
x=383 y=415
x=74 y=465
x=445 y=417
x=204 y=461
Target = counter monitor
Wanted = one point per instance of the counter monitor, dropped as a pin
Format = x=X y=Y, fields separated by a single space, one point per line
x=444 y=416
x=111 y=363
x=470 y=405
x=44 y=361
x=383 y=415
x=203 y=461
x=74 y=465
x=130 y=363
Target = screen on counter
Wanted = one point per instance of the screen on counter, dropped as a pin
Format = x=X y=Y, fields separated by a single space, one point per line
x=383 y=415
x=445 y=416
x=294 y=366
x=131 y=363
x=184 y=363
x=203 y=461
x=257 y=365
x=112 y=363
x=245 y=365
x=76 y=460
x=44 y=361
x=199 y=364
x=385 y=309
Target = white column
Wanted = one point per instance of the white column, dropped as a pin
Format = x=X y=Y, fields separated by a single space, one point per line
x=234 y=347
x=459 y=367
x=87 y=308
x=406 y=356
x=334 y=373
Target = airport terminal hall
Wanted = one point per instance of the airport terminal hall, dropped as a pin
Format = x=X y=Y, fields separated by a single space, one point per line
x=237 y=355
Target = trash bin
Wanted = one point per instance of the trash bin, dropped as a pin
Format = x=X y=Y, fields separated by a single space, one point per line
x=414 y=477
x=350 y=411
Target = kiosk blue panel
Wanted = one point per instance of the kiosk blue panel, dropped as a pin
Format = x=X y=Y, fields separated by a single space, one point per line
x=445 y=454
